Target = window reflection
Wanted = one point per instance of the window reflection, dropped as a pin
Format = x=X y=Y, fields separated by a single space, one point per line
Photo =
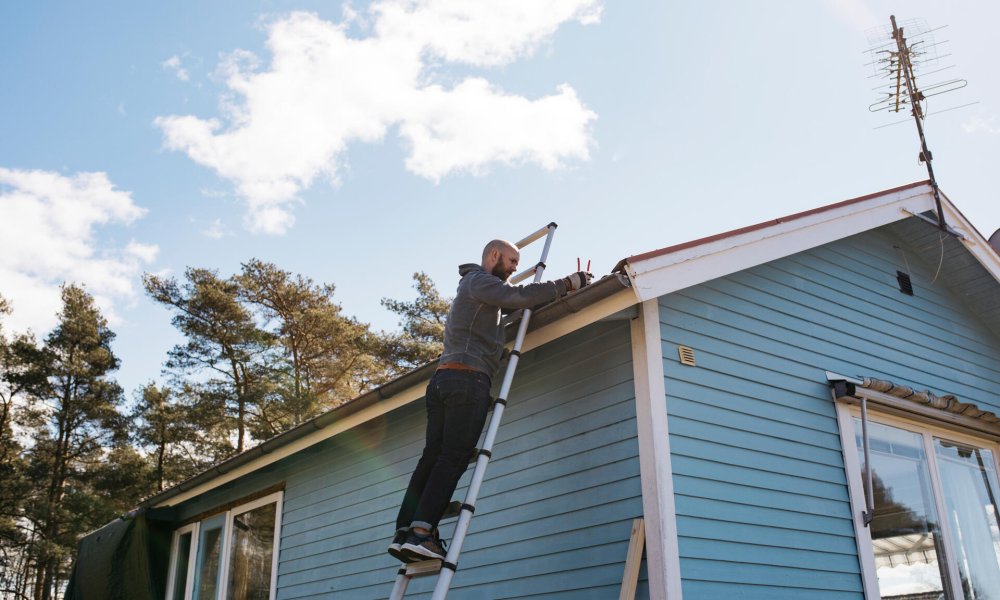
x=968 y=476
x=208 y=571
x=905 y=534
x=252 y=553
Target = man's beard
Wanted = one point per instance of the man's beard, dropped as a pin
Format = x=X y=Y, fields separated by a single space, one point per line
x=499 y=271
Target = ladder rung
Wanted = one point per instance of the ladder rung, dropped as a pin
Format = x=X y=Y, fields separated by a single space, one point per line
x=454 y=507
x=523 y=274
x=537 y=235
x=423 y=568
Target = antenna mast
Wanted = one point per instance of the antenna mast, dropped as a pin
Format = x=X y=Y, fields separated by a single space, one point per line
x=906 y=66
x=897 y=60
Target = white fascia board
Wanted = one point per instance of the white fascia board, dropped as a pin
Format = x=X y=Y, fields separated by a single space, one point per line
x=542 y=335
x=659 y=275
x=973 y=241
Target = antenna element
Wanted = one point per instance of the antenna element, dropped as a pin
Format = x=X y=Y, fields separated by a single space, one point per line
x=899 y=59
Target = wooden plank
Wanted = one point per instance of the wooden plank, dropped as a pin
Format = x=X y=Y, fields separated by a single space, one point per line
x=767 y=460
x=727 y=491
x=694 y=588
x=752 y=575
x=779 y=537
x=862 y=347
x=759 y=439
x=693 y=465
x=633 y=560
x=777 y=556
x=766 y=516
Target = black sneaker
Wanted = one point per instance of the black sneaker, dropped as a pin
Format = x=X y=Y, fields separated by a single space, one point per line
x=422 y=547
x=395 y=548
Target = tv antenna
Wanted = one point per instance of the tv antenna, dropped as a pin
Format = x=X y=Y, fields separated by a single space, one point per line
x=898 y=55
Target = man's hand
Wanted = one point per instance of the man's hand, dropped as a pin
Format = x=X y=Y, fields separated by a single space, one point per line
x=577 y=280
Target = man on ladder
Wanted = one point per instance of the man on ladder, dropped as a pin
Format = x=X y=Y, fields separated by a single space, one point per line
x=458 y=394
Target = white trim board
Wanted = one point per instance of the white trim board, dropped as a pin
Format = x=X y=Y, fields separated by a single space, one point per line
x=662 y=555
x=595 y=312
x=661 y=274
x=856 y=492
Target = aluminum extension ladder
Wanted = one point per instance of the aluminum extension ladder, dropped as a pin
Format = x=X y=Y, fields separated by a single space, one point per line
x=445 y=570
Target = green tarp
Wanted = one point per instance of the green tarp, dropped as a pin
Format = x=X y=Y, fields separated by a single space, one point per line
x=124 y=560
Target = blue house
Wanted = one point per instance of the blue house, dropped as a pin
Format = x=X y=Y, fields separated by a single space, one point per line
x=731 y=391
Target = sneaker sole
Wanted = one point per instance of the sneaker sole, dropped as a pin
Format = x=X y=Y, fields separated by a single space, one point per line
x=412 y=553
x=395 y=550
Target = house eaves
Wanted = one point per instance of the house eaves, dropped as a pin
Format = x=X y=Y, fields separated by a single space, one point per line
x=597 y=301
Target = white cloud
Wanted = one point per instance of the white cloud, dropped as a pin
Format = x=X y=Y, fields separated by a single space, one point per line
x=981 y=125
x=213 y=193
x=47 y=224
x=216 y=230
x=286 y=125
x=173 y=64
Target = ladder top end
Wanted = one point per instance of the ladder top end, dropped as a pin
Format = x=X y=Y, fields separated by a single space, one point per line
x=552 y=225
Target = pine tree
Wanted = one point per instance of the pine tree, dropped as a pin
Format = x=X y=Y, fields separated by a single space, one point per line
x=74 y=417
x=169 y=434
x=422 y=338
x=223 y=342
x=13 y=483
x=327 y=357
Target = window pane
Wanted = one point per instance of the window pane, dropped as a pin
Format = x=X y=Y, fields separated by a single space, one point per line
x=968 y=476
x=208 y=563
x=181 y=568
x=906 y=538
x=252 y=551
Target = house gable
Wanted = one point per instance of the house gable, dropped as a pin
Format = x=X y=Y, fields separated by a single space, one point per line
x=761 y=495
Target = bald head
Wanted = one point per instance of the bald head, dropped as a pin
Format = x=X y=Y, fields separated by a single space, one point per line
x=500 y=258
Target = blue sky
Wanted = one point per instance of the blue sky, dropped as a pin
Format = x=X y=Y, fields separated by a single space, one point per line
x=358 y=143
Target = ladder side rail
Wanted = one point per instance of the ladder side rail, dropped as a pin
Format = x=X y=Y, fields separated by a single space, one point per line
x=399 y=588
x=464 y=519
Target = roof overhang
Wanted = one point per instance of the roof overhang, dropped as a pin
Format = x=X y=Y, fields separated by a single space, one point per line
x=663 y=271
x=598 y=301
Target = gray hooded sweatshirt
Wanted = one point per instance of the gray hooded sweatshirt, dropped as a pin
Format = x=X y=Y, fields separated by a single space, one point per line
x=473 y=335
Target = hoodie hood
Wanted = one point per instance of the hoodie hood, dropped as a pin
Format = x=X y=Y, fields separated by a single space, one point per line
x=467 y=268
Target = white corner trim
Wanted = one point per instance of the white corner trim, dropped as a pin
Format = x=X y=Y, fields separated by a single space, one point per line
x=856 y=490
x=542 y=335
x=659 y=275
x=662 y=555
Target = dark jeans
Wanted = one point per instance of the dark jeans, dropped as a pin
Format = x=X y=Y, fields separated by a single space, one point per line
x=457 y=403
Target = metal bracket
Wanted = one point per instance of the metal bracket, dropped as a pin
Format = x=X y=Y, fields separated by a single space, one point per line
x=947 y=228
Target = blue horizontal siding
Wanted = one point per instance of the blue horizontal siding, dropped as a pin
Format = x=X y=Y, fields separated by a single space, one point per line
x=760 y=488
x=554 y=514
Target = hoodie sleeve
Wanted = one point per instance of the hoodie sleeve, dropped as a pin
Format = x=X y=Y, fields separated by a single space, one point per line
x=490 y=290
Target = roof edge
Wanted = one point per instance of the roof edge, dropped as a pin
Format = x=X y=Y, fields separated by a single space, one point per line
x=764 y=224
x=550 y=313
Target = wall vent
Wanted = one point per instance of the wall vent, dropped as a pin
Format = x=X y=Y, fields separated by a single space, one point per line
x=905 y=285
x=686 y=354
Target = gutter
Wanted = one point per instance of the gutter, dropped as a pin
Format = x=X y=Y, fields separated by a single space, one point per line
x=550 y=313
